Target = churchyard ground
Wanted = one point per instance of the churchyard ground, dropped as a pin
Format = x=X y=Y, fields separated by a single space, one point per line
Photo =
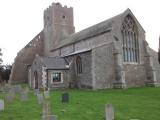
x=134 y=103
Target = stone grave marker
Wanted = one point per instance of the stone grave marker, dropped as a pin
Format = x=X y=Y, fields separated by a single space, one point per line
x=46 y=94
x=1 y=105
x=40 y=98
x=36 y=91
x=26 y=89
x=10 y=96
x=17 y=88
x=65 y=97
x=1 y=88
x=6 y=88
x=49 y=117
x=109 y=112
x=46 y=108
x=24 y=96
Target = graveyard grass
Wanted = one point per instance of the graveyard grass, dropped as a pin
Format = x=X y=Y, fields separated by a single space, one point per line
x=134 y=103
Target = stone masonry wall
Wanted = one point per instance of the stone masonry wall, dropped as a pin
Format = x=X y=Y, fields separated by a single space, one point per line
x=103 y=66
x=83 y=80
x=25 y=57
x=64 y=84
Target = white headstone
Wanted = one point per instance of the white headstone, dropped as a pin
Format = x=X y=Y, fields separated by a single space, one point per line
x=1 y=104
x=109 y=112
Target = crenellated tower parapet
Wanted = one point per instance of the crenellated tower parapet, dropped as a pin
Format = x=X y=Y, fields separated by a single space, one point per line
x=58 y=25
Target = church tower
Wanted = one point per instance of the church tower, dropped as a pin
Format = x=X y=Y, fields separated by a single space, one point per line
x=58 y=25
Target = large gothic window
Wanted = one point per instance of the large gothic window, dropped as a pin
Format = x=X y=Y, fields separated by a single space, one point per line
x=79 y=65
x=130 y=40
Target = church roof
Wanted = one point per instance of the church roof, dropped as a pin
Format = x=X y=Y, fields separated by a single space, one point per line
x=54 y=63
x=100 y=28
x=105 y=26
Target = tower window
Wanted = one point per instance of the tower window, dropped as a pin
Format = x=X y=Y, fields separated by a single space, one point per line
x=130 y=40
x=63 y=16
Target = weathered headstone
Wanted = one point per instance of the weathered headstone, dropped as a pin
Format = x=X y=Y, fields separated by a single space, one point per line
x=1 y=105
x=49 y=117
x=1 y=89
x=36 y=91
x=26 y=89
x=17 y=88
x=24 y=96
x=10 y=96
x=46 y=94
x=109 y=112
x=40 y=98
x=6 y=88
x=134 y=119
x=65 y=97
x=46 y=108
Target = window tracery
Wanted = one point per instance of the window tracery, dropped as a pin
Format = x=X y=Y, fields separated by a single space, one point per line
x=130 y=40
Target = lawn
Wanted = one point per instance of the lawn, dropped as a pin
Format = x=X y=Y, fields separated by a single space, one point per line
x=135 y=103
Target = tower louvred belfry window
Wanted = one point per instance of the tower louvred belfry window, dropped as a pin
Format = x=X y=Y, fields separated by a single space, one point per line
x=130 y=40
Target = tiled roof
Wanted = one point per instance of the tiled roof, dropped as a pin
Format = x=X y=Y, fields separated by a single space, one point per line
x=105 y=26
x=55 y=63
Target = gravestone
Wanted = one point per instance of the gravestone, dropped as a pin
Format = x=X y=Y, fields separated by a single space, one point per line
x=26 y=89
x=49 y=117
x=1 y=105
x=65 y=97
x=46 y=108
x=24 y=96
x=17 y=88
x=6 y=88
x=10 y=96
x=46 y=94
x=109 y=112
x=134 y=119
x=40 y=98
x=1 y=89
x=36 y=91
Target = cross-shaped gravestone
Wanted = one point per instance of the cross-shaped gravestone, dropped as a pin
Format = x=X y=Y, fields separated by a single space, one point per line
x=1 y=104
x=24 y=96
x=46 y=94
x=65 y=97
x=40 y=98
x=49 y=117
x=109 y=112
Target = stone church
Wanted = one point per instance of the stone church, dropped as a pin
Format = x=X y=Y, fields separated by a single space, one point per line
x=110 y=54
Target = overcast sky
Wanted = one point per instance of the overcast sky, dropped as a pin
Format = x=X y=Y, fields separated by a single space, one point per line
x=22 y=20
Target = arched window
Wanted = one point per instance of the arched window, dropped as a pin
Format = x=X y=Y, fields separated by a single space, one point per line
x=79 y=65
x=130 y=40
